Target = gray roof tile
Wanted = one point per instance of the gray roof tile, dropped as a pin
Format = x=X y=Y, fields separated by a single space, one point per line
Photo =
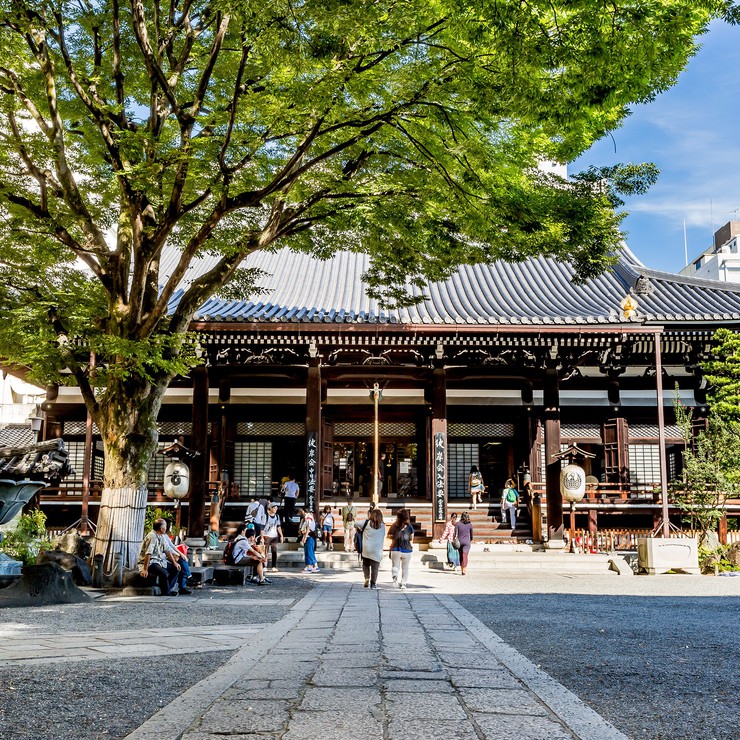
x=301 y=289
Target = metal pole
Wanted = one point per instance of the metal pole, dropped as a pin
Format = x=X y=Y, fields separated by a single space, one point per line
x=572 y=526
x=376 y=435
x=661 y=435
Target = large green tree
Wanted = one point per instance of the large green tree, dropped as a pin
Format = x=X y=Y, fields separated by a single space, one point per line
x=410 y=130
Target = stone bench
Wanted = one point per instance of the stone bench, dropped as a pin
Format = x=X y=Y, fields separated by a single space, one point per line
x=202 y=574
x=231 y=575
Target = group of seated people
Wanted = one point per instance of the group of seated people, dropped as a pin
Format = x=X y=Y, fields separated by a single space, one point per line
x=163 y=563
x=260 y=533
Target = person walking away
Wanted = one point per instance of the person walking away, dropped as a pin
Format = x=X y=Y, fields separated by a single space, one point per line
x=252 y=508
x=475 y=487
x=307 y=537
x=290 y=494
x=157 y=559
x=327 y=527
x=272 y=534
x=349 y=514
x=510 y=502
x=373 y=537
x=464 y=533
x=260 y=519
x=448 y=536
x=402 y=539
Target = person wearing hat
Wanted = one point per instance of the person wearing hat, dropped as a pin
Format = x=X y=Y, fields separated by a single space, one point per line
x=272 y=533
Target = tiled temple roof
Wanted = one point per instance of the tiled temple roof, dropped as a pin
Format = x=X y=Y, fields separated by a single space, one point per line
x=539 y=291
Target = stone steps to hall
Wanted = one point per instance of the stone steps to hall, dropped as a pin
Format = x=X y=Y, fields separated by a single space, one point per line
x=499 y=557
x=494 y=559
x=486 y=521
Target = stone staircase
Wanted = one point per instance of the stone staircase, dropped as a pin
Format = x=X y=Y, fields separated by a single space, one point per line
x=511 y=558
x=526 y=559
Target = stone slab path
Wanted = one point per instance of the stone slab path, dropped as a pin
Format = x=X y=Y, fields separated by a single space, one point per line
x=69 y=647
x=348 y=662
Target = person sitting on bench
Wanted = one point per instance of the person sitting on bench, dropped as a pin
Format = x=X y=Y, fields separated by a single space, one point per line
x=247 y=554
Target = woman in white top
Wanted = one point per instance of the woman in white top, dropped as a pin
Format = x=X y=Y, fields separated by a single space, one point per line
x=272 y=533
x=373 y=537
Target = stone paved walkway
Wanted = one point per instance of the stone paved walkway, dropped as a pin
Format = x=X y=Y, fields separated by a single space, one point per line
x=69 y=647
x=347 y=662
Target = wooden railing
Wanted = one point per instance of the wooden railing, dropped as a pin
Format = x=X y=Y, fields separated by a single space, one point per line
x=609 y=540
x=615 y=493
x=72 y=490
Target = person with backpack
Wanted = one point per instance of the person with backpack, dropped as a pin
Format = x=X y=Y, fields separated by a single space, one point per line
x=509 y=503
x=448 y=536
x=260 y=518
x=371 y=539
x=272 y=533
x=307 y=537
x=240 y=536
x=247 y=554
x=349 y=514
x=402 y=547
x=475 y=487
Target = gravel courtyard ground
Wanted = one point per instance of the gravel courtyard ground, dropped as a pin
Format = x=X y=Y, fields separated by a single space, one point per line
x=658 y=657
x=110 y=697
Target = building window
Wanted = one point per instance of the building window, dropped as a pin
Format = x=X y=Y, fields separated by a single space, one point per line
x=461 y=458
x=253 y=468
x=644 y=463
x=76 y=455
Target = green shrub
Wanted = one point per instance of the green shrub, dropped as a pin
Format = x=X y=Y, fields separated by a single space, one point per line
x=154 y=512
x=708 y=559
x=28 y=538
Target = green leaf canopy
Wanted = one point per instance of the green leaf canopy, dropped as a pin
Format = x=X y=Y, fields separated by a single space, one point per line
x=411 y=131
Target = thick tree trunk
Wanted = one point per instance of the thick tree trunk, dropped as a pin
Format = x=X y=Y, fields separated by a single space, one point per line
x=121 y=524
x=128 y=426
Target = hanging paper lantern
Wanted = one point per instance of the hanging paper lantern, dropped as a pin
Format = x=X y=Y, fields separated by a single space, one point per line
x=573 y=482
x=176 y=480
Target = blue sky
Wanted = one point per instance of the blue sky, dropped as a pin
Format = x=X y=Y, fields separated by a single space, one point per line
x=691 y=132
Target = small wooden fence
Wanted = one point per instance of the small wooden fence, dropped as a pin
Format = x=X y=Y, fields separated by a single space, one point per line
x=609 y=540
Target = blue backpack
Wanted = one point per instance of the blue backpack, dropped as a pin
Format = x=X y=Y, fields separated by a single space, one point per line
x=358 y=539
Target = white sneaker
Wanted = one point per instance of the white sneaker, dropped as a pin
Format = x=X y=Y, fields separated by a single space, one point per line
x=273 y=570
x=395 y=582
x=403 y=587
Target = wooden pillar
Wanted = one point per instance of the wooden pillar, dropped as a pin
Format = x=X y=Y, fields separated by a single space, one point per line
x=593 y=528
x=615 y=436
x=552 y=464
x=200 y=465
x=313 y=436
x=722 y=530
x=86 y=475
x=439 y=450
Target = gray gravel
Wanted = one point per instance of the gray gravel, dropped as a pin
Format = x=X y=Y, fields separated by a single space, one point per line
x=662 y=667
x=69 y=701
x=109 y=698
x=102 y=615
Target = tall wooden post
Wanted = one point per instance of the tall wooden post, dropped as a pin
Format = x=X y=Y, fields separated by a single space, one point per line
x=439 y=449
x=86 y=475
x=200 y=464
x=313 y=435
x=661 y=435
x=552 y=464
